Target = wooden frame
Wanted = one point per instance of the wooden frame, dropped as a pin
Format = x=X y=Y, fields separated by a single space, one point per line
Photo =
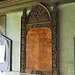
x=46 y=20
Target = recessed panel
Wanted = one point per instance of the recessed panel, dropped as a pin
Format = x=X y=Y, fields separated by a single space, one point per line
x=39 y=49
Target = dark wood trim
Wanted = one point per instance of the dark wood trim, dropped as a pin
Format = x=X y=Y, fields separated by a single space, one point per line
x=49 y=21
x=23 y=42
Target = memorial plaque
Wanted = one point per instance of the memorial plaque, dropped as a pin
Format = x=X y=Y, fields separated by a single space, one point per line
x=39 y=49
x=5 y=53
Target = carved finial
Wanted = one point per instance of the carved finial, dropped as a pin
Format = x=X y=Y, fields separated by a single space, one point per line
x=55 y=6
x=24 y=13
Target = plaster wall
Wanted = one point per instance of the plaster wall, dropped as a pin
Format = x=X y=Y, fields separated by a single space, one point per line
x=66 y=38
x=13 y=31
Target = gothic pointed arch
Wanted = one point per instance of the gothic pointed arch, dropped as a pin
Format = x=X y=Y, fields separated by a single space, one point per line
x=38 y=21
x=39 y=13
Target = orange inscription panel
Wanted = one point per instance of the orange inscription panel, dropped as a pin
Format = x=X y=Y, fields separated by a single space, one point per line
x=39 y=49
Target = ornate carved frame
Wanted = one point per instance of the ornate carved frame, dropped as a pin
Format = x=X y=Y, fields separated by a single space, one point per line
x=39 y=17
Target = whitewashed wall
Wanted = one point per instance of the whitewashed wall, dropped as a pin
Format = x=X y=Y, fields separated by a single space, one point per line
x=13 y=31
x=66 y=38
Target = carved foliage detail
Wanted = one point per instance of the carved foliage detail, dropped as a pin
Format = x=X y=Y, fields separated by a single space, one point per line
x=38 y=14
x=23 y=41
x=54 y=44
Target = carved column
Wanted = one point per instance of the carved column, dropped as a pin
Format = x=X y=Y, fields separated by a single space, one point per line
x=54 y=42
x=23 y=42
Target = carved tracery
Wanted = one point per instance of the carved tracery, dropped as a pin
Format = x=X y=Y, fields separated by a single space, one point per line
x=40 y=17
